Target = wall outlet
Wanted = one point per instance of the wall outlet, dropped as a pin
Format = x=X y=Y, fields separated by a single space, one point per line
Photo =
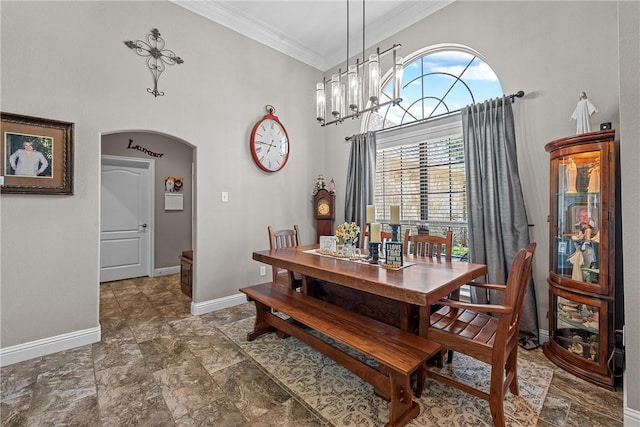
x=263 y=270
x=224 y=197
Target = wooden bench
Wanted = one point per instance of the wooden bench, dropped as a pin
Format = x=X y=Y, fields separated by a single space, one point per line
x=398 y=353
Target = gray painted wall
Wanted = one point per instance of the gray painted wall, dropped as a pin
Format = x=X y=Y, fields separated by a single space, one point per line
x=172 y=228
x=629 y=51
x=75 y=67
x=551 y=50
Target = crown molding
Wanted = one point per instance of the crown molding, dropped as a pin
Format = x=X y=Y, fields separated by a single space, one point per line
x=226 y=15
x=403 y=16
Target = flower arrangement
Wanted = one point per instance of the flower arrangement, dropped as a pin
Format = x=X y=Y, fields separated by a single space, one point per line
x=348 y=233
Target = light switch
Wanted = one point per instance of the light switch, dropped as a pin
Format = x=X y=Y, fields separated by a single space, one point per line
x=224 y=197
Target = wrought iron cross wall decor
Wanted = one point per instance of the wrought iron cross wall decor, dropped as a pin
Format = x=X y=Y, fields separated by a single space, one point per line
x=157 y=56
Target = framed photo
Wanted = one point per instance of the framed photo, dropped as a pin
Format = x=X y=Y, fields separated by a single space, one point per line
x=37 y=155
x=579 y=214
x=328 y=243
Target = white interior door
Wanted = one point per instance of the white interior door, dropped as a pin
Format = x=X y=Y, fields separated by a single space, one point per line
x=126 y=230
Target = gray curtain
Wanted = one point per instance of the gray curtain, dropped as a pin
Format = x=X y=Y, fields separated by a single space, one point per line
x=360 y=178
x=498 y=225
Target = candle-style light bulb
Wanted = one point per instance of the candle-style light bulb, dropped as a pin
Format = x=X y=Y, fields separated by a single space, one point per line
x=321 y=102
x=353 y=82
x=374 y=78
x=336 y=95
x=398 y=69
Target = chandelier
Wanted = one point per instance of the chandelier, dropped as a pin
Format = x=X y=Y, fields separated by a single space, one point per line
x=349 y=95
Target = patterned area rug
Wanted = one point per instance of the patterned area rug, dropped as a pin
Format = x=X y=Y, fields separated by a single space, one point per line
x=343 y=399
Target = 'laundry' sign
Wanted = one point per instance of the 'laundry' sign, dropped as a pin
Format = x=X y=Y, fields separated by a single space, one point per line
x=144 y=150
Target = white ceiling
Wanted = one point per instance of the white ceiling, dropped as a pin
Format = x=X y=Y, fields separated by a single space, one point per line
x=315 y=32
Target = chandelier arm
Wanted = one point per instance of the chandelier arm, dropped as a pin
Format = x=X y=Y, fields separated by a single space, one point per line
x=396 y=101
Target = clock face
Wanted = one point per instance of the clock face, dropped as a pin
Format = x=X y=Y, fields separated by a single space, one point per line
x=269 y=144
x=323 y=207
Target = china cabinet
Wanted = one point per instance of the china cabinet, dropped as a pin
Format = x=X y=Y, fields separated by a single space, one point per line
x=583 y=312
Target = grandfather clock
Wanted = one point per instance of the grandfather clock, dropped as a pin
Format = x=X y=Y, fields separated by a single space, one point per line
x=324 y=211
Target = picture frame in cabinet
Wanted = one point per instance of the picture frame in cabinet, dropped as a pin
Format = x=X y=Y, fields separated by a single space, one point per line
x=573 y=219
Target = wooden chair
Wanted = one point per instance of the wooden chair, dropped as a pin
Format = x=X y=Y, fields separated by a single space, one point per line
x=486 y=332
x=385 y=236
x=428 y=245
x=286 y=238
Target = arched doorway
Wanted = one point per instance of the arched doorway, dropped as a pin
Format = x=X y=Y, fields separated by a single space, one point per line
x=173 y=206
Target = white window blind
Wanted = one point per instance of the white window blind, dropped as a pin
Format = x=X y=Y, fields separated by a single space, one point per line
x=421 y=168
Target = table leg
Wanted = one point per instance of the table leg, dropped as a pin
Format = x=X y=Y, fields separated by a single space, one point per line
x=409 y=317
x=424 y=320
x=308 y=287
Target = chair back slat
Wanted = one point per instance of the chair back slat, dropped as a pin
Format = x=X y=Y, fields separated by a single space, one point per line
x=286 y=238
x=517 y=282
x=278 y=239
x=524 y=282
x=427 y=245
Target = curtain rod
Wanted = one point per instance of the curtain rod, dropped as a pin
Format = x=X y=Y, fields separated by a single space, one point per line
x=513 y=96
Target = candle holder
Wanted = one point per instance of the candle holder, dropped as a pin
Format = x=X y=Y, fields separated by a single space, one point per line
x=374 y=252
x=395 y=230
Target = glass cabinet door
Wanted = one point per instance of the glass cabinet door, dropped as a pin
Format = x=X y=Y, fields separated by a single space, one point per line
x=577 y=219
x=580 y=329
x=577 y=328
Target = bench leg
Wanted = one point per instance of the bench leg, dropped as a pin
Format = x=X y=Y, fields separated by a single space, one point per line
x=402 y=408
x=420 y=380
x=260 y=327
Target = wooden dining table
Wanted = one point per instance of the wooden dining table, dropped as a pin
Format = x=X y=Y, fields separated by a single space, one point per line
x=401 y=297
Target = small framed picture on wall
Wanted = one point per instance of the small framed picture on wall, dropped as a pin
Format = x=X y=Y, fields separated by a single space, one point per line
x=37 y=155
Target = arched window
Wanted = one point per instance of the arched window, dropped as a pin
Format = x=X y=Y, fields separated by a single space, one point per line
x=436 y=81
x=420 y=156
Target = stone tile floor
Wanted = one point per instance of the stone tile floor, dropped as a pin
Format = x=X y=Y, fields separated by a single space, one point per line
x=157 y=365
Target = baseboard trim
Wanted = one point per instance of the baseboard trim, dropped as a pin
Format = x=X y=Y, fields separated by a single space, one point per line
x=631 y=417
x=166 y=271
x=45 y=346
x=543 y=336
x=198 y=308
